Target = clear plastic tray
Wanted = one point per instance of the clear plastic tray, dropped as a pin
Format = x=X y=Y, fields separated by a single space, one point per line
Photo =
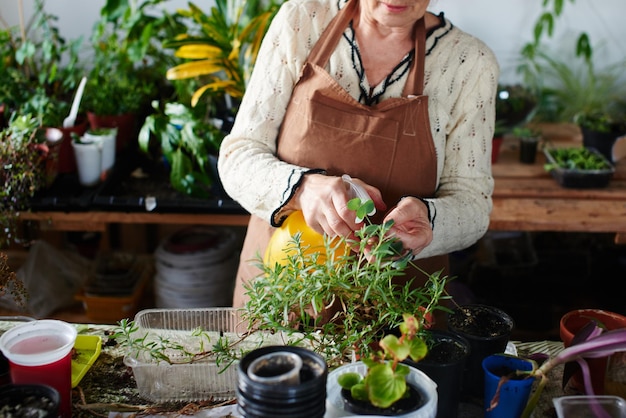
x=160 y=381
x=590 y=406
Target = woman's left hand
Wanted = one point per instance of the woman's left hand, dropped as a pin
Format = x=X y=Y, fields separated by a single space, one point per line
x=411 y=224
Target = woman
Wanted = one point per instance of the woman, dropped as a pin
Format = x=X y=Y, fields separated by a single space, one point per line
x=388 y=93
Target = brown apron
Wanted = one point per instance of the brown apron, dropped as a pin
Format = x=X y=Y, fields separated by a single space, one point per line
x=388 y=145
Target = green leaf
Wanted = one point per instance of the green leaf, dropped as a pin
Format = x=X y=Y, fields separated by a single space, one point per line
x=384 y=387
x=348 y=380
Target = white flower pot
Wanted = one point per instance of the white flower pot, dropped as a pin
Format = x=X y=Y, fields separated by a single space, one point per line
x=426 y=387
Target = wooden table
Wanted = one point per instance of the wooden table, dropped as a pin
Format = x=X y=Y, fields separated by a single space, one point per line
x=527 y=198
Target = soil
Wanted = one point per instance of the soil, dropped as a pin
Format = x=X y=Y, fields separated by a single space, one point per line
x=403 y=406
x=479 y=321
x=26 y=401
x=445 y=351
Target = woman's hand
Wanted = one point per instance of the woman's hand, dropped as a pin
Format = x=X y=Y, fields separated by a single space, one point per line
x=323 y=201
x=411 y=224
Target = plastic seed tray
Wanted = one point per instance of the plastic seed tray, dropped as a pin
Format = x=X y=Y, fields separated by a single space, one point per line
x=160 y=381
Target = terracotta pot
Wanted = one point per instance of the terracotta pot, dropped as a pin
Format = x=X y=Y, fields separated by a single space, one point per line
x=571 y=323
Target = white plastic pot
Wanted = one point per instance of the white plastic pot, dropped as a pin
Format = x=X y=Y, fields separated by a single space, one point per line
x=423 y=383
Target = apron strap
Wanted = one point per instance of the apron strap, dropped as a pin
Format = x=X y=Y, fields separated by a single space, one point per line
x=323 y=49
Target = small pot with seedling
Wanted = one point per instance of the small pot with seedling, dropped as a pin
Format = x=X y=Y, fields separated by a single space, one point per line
x=528 y=142
x=382 y=384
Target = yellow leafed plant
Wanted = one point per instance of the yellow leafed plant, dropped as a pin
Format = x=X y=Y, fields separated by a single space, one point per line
x=224 y=51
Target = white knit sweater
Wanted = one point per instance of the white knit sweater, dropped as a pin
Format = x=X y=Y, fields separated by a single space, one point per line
x=461 y=77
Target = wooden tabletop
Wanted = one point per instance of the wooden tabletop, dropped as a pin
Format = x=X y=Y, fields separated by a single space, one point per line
x=527 y=198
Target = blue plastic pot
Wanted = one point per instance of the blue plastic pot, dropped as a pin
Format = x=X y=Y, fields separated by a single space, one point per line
x=514 y=393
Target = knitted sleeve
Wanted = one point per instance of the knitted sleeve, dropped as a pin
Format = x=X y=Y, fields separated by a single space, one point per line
x=462 y=76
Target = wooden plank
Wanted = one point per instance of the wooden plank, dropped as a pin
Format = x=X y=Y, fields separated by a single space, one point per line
x=549 y=189
x=528 y=214
x=68 y=218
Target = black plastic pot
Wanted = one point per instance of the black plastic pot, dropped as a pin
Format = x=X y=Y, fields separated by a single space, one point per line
x=528 y=150
x=29 y=401
x=258 y=398
x=487 y=329
x=445 y=365
x=601 y=141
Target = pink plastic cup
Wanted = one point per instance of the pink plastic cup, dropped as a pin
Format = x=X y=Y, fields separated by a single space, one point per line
x=40 y=352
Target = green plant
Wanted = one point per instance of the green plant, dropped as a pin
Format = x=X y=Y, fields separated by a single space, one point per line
x=224 y=50
x=129 y=61
x=40 y=69
x=22 y=172
x=576 y=158
x=526 y=132
x=385 y=380
x=340 y=302
x=187 y=138
x=570 y=88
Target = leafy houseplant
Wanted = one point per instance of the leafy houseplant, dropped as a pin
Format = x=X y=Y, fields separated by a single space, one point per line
x=188 y=139
x=385 y=381
x=340 y=302
x=40 y=69
x=224 y=50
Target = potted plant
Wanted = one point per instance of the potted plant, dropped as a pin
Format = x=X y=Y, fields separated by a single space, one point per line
x=129 y=65
x=188 y=139
x=381 y=384
x=40 y=72
x=349 y=298
x=222 y=49
x=528 y=138
x=594 y=342
x=514 y=103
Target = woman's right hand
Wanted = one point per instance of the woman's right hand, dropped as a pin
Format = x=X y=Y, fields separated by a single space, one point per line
x=324 y=204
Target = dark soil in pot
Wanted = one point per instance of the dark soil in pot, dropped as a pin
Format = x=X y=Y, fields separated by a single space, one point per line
x=25 y=401
x=479 y=321
x=408 y=404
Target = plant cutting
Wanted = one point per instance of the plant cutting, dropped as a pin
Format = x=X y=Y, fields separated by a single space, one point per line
x=384 y=384
x=592 y=342
x=338 y=301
